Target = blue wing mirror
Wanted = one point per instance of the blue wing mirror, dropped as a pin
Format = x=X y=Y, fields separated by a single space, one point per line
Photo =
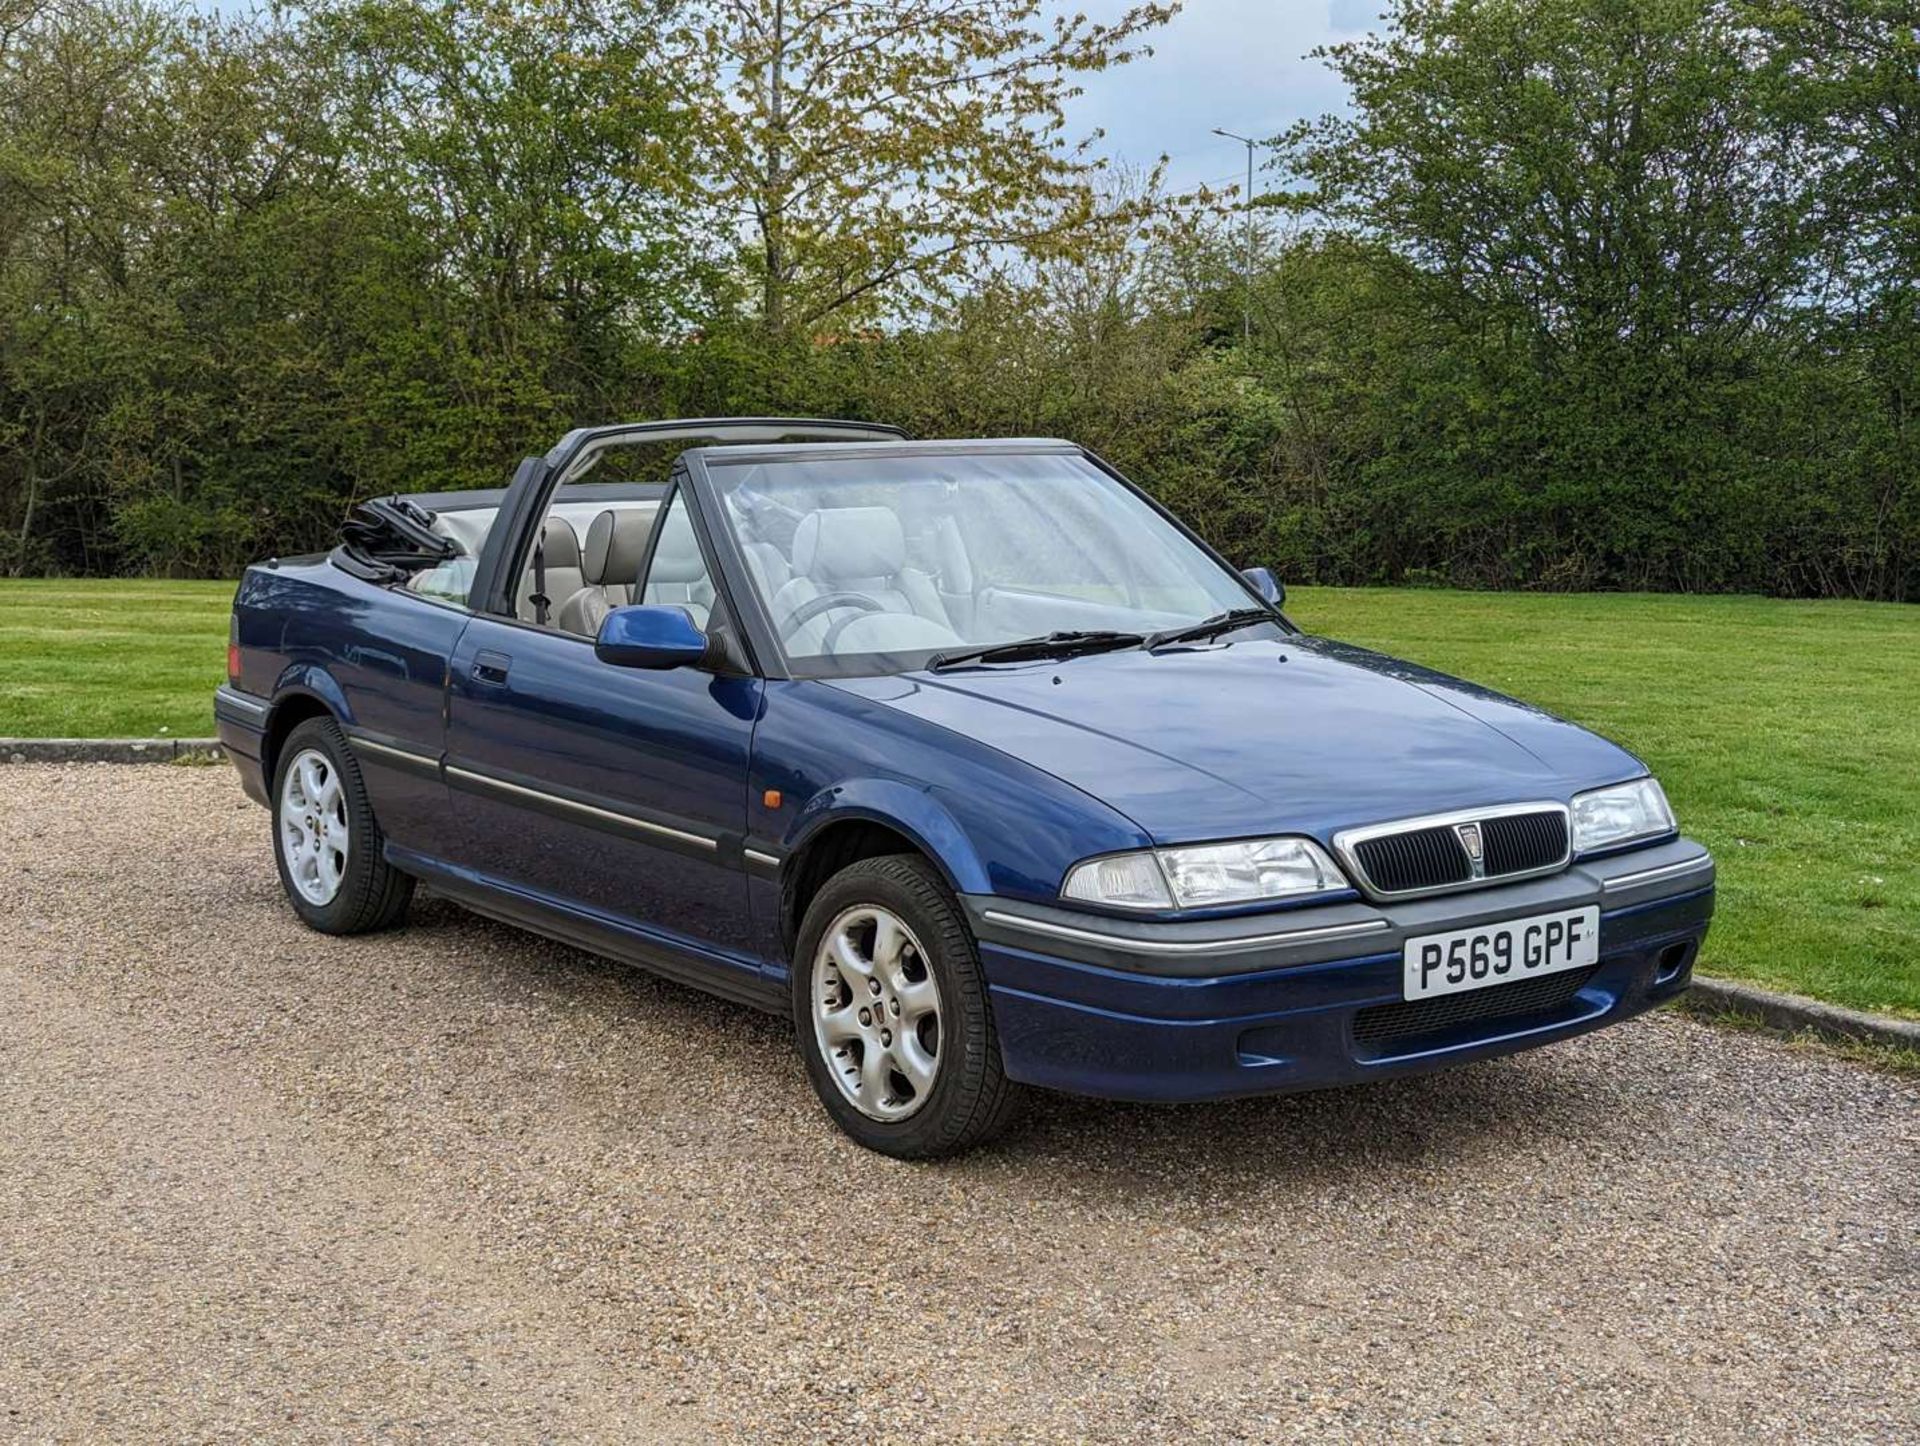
x=1266 y=584
x=650 y=637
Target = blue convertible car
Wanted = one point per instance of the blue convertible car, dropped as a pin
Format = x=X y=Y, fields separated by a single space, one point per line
x=965 y=755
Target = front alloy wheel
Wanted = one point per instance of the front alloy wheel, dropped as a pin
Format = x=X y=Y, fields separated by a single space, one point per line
x=876 y=1013
x=891 y=1015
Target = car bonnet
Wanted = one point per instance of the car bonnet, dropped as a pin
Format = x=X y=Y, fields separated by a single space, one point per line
x=1294 y=735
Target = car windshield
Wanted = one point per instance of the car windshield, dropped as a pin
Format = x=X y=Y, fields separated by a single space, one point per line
x=881 y=564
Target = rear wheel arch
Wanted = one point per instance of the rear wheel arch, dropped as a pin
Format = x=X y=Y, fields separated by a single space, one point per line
x=303 y=690
x=289 y=712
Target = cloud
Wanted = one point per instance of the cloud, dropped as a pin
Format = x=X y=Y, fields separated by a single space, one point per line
x=1238 y=64
x=1350 y=16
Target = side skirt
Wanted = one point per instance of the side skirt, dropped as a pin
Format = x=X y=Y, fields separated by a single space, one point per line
x=731 y=977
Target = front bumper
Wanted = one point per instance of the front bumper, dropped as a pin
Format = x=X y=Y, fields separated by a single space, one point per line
x=1307 y=998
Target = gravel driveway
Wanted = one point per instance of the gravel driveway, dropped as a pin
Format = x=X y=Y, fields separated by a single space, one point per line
x=459 y=1183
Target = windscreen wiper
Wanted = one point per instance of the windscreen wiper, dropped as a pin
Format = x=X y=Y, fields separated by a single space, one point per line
x=1211 y=627
x=1052 y=645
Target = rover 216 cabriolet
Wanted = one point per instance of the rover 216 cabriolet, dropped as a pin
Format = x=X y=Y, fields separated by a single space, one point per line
x=965 y=755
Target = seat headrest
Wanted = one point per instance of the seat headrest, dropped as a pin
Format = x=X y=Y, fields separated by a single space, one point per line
x=841 y=543
x=956 y=569
x=769 y=565
x=616 y=543
x=559 y=543
x=468 y=527
x=676 y=558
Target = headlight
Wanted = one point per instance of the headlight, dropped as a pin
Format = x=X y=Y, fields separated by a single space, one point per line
x=1202 y=875
x=1620 y=814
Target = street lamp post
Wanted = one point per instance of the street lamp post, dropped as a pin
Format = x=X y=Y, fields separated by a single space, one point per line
x=1246 y=205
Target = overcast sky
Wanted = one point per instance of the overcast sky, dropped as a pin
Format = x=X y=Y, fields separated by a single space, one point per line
x=1237 y=64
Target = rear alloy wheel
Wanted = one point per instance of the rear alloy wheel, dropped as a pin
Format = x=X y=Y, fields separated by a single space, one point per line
x=891 y=1012
x=314 y=832
x=325 y=840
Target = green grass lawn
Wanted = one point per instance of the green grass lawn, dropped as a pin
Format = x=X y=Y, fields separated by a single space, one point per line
x=1787 y=733
x=111 y=659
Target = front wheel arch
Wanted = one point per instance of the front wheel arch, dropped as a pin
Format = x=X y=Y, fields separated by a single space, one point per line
x=825 y=853
x=870 y=819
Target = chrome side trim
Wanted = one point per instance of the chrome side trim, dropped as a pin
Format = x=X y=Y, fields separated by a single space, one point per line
x=398 y=756
x=1233 y=945
x=227 y=696
x=754 y=856
x=585 y=810
x=393 y=750
x=1345 y=841
x=1666 y=871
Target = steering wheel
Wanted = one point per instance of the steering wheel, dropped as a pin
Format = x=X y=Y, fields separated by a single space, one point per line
x=813 y=607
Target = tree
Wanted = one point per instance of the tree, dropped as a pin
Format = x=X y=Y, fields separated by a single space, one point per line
x=1598 y=167
x=70 y=74
x=1847 y=74
x=538 y=158
x=871 y=151
x=1611 y=229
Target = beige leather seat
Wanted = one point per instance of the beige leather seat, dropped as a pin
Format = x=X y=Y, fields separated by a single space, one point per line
x=860 y=550
x=609 y=564
x=678 y=573
x=769 y=566
x=560 y=556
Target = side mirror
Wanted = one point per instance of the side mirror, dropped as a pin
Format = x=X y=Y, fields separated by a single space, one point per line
x=1266 y=584
x=650 y=637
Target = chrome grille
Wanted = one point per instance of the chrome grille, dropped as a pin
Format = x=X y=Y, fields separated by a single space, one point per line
x=1522 y=842
x=1457 y=850
x=1426 y=858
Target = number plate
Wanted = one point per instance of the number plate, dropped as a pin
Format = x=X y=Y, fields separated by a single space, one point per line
x=1500 y=953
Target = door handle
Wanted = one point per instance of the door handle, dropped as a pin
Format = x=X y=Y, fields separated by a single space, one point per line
x=490 y=667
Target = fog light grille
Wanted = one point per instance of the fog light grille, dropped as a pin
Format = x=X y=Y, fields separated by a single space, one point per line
x=1387 y=1023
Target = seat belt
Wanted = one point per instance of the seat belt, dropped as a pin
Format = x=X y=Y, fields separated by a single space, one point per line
x=541 y=602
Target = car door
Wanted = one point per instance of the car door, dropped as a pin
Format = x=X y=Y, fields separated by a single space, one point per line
x=616 y=794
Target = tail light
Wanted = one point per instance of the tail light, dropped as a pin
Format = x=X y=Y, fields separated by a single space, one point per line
x=233 y=651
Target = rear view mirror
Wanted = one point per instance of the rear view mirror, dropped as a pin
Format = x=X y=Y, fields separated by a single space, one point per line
x=650 y=637
x=1266 y=584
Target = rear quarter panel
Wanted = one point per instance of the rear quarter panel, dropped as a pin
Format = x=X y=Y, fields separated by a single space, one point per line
x=376 y=658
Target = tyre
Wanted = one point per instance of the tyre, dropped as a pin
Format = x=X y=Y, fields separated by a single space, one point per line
x=325 y=840
x=891 y=1015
